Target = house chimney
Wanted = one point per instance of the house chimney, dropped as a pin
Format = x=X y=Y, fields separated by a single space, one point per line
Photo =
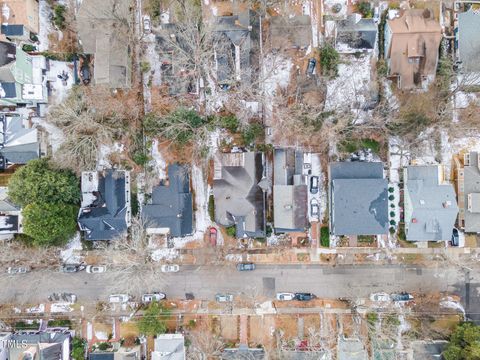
x=447 y=204
x=414 y=220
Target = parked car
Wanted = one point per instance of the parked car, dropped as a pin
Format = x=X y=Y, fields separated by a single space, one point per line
x=71 y=268
x=304 y=296
x=314 y=208
x=118 y=298
x=18 y=270
x=380 y=297
x=314 y=184
x=189 y=296
x=170 y=268
x=147 y=25
x=311 y=66
x=224 y=297
x=69 y=297
x=402 y=297
x=213 y=236
x=156 y=296
x=245 y=266
x=455 y=238
x=95 y=269
x=285 y=296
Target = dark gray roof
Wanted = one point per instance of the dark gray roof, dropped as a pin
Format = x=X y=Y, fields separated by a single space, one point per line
x=430 y=206
x=468 y=40
x=101 y=356
x=288 y=31
x=357 y=33
x=171 y=205
x=358 y=198
x=8 y=53
x=239 y=196
x=106 y=218
x=8 y=223
x=13 y=30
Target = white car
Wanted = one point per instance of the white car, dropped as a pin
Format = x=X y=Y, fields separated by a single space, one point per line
x=285 y=296
x=95 y=269
x=148 y=298
x=118 y=298
x=224 y=297
x=170 y=268
x=18 y=270
x=147 y=25
x=380 y=297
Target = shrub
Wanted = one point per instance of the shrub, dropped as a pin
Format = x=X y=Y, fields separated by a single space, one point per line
x=145 y=67
x=60 y=323
x=59 y=16
x=329 y=59
x=392 y=230
x=390 y=189
x=392 y=222
x=231 y=231
x=154 y=320
x=252 y=132
x=391 y=198
x=29 y=48
x=229 y=122
x=392 y=213
x=372 y=318
x=78 y=348
x=365 y=8
x=392 y=206
x=211 y=207
x=104 y=346
x=324 y=236
x=140 y=158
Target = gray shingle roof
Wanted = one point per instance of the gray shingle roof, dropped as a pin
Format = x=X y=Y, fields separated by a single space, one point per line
x=54 y=351
x=171 y=205
x=358 y=198
x=469 y=40
x=471 y=174
x=106 y=218
x=430 y=207
x=169 y=347
x=239 y=198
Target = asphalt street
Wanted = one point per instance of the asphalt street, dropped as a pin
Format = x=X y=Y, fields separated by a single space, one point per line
x=205 y=281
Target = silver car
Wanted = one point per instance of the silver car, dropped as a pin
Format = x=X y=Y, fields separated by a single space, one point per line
x=118 y=298
x=18 y=270
x=157 y=296
x=170 y=268
x=95 y=269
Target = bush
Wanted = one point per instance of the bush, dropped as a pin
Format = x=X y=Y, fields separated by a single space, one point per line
x=140 y=158
x=60 y=323
x=372 y=318
x=145 y=67
x=329 y=59
x=390 y=189
x=104 y=346
x=393 y=222
x=29 y=48
x=211 y=207
x=392 y=230
x=392 y=206
x=59 y=16
x=252 y=132
x=365 y=8
x=154 y=320
x=391 y=198
x=324 y=236
x=78 y=348
x=229 y=122
x=392 y=213
x=350 y=146
x=464 y=343
x=22 y=325
x=382 y=68
x=231 y=231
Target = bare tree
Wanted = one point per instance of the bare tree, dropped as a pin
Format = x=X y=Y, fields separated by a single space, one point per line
x=205 y=343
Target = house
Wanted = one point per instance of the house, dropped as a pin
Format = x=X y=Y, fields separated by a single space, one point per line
x=169 y=347
x=358 y=198
x=43 y=345
x=430 y=207
x=355 y=34
x=411 y=48
x=236 y=43
x=290 y=191
x=118 y=353
x=104 y=29
x=18 y=144
x=468 y=41
x=467 y=179
x=4 y=348
x=21 y=77
x=287 y=32
x=105 y=211
x=170 y=210
x=239 y=187
x=20 y=20
x=10 y=215
x=351 y=349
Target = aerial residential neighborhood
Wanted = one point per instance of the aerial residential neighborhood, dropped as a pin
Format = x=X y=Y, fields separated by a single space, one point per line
x=218 y=179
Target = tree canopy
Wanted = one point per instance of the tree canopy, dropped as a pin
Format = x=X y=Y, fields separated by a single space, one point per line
x=154 y=320
x=37 y=182
x=464 y=343
x=49 y=224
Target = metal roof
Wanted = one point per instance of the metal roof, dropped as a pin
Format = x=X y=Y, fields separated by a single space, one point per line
x=468 y=40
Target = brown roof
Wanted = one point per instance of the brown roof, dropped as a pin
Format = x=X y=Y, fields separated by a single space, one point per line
x=413 y=50
x=22 y=12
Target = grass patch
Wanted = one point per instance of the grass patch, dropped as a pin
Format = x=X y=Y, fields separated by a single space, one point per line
x=372 y=318
x=22 y=325
x=231 y=230
x=60 y=323
x=211 y=207
x=366 y=239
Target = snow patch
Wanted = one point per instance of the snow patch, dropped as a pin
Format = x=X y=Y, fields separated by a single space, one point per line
x=234 y=257
x=59 y=88
x=450 y=303
x=104 y=153
x=69 y=255
x=158 y=162
x=164 y=254
x=45 y=25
